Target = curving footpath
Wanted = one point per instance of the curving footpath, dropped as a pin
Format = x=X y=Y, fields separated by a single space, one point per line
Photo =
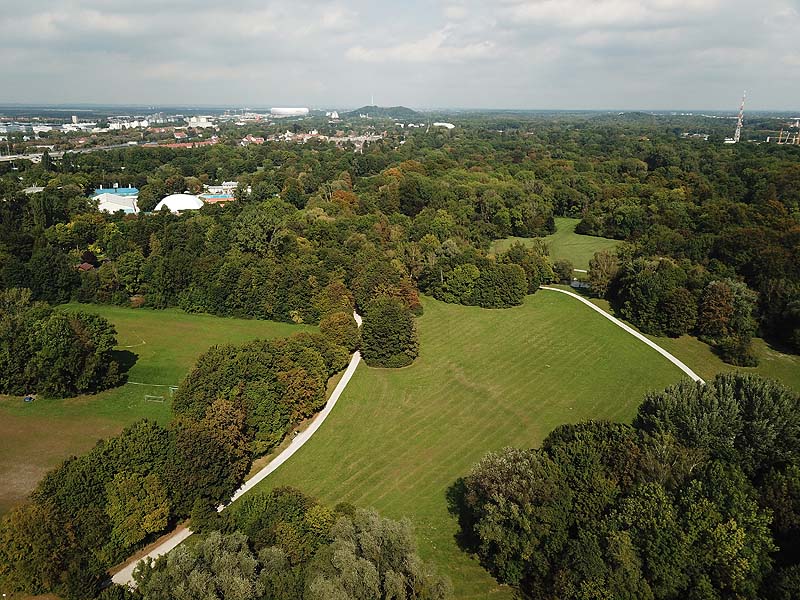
x=630 y=330
x=125 y=575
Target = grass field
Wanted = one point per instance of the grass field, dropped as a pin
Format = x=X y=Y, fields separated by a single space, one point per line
x=165 y=345
x=702 y=360
x=565 y=243
x=484 y=380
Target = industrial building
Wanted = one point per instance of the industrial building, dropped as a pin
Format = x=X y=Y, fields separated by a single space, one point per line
x=117 y=198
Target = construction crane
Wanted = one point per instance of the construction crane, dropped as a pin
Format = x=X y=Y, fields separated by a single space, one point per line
x=738 y=133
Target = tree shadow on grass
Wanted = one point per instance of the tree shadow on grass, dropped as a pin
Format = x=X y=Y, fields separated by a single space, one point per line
x=125 y=359
x=457 y=507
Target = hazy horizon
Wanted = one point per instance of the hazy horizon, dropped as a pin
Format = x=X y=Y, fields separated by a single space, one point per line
x=265 y=107
x=575 y=55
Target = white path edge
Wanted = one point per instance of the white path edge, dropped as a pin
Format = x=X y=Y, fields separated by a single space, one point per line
x=678 y=363
x=125 y=575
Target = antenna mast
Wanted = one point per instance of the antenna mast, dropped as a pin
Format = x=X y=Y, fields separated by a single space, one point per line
x=738 y=133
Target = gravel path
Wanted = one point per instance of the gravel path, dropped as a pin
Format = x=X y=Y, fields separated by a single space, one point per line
x=125 y=575
x=630 y=330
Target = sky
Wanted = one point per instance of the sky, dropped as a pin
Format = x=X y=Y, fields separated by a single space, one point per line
x=505 y=54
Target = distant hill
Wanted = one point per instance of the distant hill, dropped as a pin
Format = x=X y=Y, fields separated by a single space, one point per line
x=384 y=112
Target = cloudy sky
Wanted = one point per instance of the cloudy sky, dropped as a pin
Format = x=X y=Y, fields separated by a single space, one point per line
x=650 y=54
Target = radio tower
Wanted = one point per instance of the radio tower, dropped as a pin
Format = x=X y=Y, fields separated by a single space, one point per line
x=738 y=133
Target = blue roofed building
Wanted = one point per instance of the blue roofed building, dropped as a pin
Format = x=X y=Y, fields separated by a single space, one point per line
x=119 y=191
x=117 y=198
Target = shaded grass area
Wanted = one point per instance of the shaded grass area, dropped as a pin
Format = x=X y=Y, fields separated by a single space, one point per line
x=485 y=379
x=565 y=243
x=161 y=347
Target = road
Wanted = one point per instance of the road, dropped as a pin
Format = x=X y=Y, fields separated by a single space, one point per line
x=37 y=157
x=125 y=575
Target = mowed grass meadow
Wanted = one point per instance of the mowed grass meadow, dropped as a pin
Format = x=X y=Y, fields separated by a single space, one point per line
x=565 y=243
x=37 y=436
x=701 y=358
x=484 y=379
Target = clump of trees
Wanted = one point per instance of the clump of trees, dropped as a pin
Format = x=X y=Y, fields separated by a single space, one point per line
x=274 y=383
x=284 y=544
x=88 y=513
x=53 y=353
x=473 y=279
x=534 y=262
x=663 y=296
x=698 y=499
x=389 y=334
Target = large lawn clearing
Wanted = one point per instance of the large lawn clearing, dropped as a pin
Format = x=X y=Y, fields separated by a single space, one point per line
x=565 y=243
x=36 y=437
x=485 y=379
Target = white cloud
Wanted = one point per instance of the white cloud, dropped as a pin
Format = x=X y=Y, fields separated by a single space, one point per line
x=503 y=53
x=437 y=46
x=606 y=13
x=454 y=12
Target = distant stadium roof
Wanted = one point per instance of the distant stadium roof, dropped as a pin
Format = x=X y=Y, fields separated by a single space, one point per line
x=289 y=111
x=121 y=191
x=179 y=202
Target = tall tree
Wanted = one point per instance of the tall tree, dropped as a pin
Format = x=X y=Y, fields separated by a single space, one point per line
x=389 y=334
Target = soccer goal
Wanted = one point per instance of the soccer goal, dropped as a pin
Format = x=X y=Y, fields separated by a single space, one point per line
x=172 y=390
x=150 y=398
